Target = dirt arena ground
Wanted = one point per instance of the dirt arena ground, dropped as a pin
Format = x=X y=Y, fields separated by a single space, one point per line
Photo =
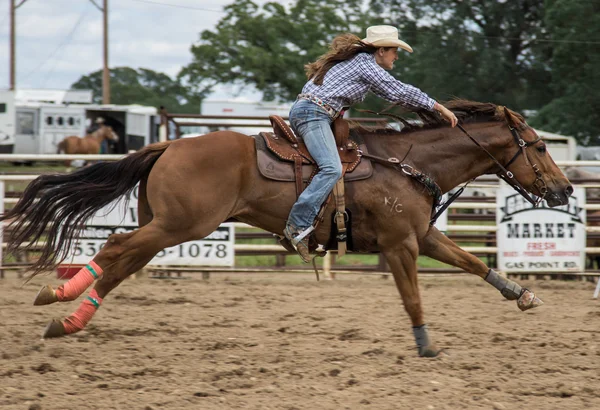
x=288 y=342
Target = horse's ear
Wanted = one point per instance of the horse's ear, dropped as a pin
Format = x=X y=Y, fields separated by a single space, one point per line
x=513 y=121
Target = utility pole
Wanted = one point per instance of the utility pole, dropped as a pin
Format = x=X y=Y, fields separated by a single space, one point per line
x=105 y=73
x=105 y=70
x=11 y=4
x=13 y=40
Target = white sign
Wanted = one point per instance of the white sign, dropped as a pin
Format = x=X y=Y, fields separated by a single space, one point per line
x=540 y=239
x=217 y=249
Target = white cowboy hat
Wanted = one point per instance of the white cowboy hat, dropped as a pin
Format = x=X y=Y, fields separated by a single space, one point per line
x=385 y=36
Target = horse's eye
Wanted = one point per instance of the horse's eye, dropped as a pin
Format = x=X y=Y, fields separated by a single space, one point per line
x=541 y=148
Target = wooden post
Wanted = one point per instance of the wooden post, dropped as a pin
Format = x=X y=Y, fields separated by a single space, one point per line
x=327 y=267
x=163 y=129
x=105 y=70
x=279 y=260
x=12 y=62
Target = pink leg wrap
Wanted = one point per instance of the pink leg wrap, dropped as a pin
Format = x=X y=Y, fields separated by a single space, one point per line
x=83 y=314
x=79 y=283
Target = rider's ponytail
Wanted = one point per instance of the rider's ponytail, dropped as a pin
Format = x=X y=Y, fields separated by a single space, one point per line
x=342 y=48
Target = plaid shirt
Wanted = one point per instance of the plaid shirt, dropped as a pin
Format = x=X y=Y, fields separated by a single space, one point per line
x=348 y=82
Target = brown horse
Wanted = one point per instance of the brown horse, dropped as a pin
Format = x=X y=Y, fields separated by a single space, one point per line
x=188 y=187
x=90 y=144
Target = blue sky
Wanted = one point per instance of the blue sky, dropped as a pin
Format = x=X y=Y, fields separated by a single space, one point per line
x=58 y=41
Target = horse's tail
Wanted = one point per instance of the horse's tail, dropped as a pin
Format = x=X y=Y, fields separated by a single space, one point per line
x=56 y=206
x=60 y=148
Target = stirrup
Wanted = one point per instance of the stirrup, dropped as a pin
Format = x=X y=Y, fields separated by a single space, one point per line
x=299 y=241
x=296 y=237
x=302 y=250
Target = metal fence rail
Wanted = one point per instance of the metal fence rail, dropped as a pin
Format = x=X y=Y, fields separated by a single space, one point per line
x=474 y=233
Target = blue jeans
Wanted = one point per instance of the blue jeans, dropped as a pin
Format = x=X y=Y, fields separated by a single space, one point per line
x=313 y=125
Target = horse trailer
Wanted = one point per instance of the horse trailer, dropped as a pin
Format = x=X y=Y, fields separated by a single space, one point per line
x=40 y=128
x=561 y=147
x=7 y=121
x=43 y=118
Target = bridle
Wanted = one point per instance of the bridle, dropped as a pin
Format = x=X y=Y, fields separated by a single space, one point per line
x=508 y=176
x=504 y=173
x=539 y=182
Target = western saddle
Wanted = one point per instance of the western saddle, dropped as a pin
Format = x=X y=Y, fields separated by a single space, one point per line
x=289 y=151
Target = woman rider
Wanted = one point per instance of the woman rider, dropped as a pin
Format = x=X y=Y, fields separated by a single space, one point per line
x=337 y=80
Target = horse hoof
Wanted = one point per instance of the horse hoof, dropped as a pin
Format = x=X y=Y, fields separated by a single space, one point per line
x=45 y=296
x=528 y=300
x=54 y=329
x=429 y=351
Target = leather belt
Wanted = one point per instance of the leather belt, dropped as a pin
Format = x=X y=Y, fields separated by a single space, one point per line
x=316 y=100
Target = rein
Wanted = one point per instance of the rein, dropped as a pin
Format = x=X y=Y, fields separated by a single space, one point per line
x=508 y=176
x=432 y=187
x=504 y=174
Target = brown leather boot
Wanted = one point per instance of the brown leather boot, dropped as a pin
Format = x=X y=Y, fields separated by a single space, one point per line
x=301 y=245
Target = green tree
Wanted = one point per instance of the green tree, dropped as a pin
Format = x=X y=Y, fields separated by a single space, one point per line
x=484 y=50
x=574 y=26
x=144 y=87
x=268 y=47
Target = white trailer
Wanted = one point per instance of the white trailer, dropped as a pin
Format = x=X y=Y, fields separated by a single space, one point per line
x=237 y=108
x=561 y=147
x=46 y=117
x=7 y=121
x=43 y=118
x=41 y=126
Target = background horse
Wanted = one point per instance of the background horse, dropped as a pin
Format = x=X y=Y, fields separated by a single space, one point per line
x=577 y=173
x=90 y=144
x=593 y=177
x=189 y=187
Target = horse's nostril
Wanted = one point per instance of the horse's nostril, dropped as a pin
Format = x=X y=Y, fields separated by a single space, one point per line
x=568 y=190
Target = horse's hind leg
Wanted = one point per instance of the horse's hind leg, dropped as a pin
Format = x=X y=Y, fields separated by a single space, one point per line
x=403 y=263
x=437 y=246
x=78 y=284
x=86 y=276
x=122 y=255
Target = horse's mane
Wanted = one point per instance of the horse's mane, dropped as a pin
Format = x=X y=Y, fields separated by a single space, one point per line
x=466 y=111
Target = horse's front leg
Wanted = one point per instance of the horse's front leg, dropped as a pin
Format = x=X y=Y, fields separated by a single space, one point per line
x=403 y=263
x=437 y=246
